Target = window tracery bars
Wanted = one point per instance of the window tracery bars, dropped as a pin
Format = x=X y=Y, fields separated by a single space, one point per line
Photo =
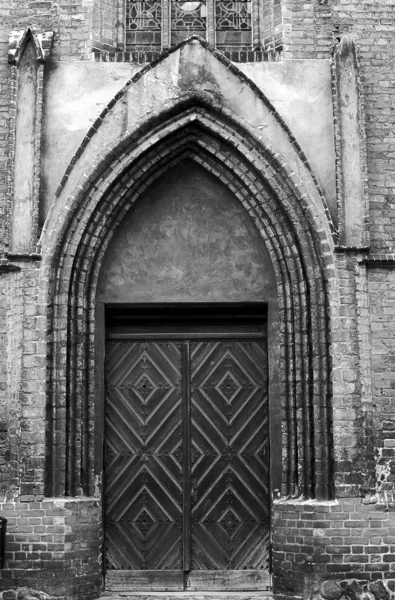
x=233 y=23
x=143 y=22
x=225 y=23
x=188 y=18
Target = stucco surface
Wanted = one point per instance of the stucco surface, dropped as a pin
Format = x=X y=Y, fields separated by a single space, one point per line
x=76 y=93
x=187 y=238
x=300 y=90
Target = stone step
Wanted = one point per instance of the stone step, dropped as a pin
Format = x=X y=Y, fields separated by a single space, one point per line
x=108 y=595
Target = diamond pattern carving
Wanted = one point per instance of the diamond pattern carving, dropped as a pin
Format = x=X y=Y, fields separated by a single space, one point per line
x=144 y=522
x=144 y=387
x=143 y=499
x=229 y=522
x=178 y=453
x=228 y=387
x=145 y=447
x=230 y=514
x=196 y=454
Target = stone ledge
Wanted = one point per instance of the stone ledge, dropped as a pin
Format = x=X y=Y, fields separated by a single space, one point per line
x=187 y=596
x=304 y=502
x=386 y=261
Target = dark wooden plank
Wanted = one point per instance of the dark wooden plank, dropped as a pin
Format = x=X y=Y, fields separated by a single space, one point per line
x=186 y=428
x=182 y=335
x=167 y=457
x=230 y=474
x=210 y=315
x=149 y=580
x=143 y=456
x=242 y=580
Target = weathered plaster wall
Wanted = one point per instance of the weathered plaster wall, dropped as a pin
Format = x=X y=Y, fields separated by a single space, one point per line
x=301 y=92
x=188 y=239
x=76 y=93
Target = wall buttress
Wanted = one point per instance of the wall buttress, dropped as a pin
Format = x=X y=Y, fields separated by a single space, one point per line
x=350 y=146
x=27 y=54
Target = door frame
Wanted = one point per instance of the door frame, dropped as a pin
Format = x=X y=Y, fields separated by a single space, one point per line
x=244 y=313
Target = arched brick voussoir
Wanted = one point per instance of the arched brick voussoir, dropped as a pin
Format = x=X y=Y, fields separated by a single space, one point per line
x=286 y=224
x=190 y=75
x=269 y=216
x=89 y=182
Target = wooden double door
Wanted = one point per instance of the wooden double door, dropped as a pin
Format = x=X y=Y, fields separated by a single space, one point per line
x=186 y=464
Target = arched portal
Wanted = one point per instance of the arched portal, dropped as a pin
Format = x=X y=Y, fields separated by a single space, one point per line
x=296 y=242
x=292 y=236
x=185 y=283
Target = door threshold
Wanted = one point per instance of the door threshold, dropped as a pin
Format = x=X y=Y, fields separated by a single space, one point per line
x=185 y=595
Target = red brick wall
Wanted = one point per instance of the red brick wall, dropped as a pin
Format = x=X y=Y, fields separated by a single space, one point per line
x=53 y=546
x=311 y=29
x=104 y=24
x=344 y=539
x=382 y=324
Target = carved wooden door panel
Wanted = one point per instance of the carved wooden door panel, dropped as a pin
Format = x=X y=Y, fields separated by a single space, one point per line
x=230 y=469
x=143 y=469
x=186 y=465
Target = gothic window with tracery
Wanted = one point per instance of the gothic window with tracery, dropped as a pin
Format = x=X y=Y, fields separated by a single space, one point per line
x=233 y=23
x=143 y=22
x=163 y=23
x=187 y=18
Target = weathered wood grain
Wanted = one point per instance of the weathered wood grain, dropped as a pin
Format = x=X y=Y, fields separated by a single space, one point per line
x=160 y=580
x=248 y=579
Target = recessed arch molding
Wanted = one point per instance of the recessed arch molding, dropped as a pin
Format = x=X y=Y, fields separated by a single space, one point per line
x=299 y=243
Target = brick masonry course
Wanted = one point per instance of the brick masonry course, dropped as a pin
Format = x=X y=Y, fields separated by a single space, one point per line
x=54 y=544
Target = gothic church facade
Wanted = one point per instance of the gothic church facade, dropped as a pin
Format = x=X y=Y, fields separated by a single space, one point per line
x=197 y=305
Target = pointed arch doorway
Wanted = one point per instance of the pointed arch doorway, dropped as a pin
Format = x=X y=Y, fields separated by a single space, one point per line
x=289 y=214
x=186 y=283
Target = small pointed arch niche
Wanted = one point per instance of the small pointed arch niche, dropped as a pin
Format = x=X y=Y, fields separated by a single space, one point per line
x=24 y=215
x=27 y=53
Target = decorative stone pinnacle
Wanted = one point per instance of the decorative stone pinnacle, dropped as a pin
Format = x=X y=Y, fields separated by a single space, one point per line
x=19 y=38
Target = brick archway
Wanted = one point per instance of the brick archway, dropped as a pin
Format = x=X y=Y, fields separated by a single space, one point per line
x=297 y=243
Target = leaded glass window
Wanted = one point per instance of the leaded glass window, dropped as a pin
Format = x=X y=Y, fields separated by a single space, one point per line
x=187 y=18
x=156 y=24
x=143 y=22
x=233 y=23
